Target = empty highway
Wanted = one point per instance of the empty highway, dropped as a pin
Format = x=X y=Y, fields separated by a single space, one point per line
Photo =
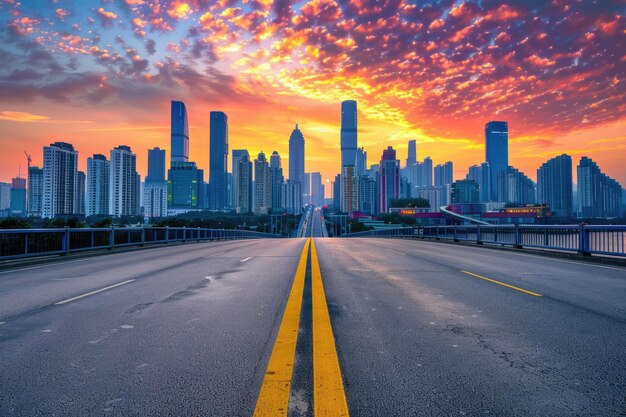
x=303 y=327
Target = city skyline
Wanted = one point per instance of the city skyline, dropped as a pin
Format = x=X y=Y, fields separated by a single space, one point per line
x=107 y=91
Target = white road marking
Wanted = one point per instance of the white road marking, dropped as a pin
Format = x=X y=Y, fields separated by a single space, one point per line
x=2 y=322
x=246 y=259
x=46 y=331
x=395 y=251
x=126 y=326
x=78 y=297
x=48 y=265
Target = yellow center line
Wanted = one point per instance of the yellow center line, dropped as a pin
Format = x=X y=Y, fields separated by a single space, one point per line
x=503 y=284
x=273 y=400
x=328 y=392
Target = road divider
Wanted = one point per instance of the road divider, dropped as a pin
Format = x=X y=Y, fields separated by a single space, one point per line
x=513 y=287
x=328 y=391
x=273 y=400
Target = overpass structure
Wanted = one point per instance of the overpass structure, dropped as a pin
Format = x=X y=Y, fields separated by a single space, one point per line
x=312 y=327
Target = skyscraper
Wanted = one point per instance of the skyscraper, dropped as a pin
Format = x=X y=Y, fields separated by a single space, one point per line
x=497 y=153
x=361 y=161
x=237 y=155
x=389 y=180
x=412 y=154
x=277 y=179
x=554 y=185
x=515 y=187
x=155 y=185
x=179 y=133
x=598 y=194
x=218 y=143
x=244 y=184
x=296 y=157
x=123 y=182
x=349 y=140
x=481 y=174
x=35 y=191
x=60 y=162
x=367 y=195
x=317 y=189
x=443 y=178
x=97 y=187
x=263 y=185
x=156 y=165
x=292 y=197
x=465 y=192
x=349 y=189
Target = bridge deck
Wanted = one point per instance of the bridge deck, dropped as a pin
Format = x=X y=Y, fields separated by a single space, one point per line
x=420 y=328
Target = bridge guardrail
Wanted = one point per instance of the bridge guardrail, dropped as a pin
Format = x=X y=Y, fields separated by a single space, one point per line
x=23 y=243
x=583 y=239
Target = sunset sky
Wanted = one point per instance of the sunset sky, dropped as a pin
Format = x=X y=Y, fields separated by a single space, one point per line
x=99 y=74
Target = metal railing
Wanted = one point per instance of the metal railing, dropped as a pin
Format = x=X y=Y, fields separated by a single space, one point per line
x=22 y=243
x=583 y=239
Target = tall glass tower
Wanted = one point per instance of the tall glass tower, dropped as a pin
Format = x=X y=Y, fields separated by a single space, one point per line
x=348 y=133
x=180 y=133
x=497 y=153
x=296 y=157
x=218 y=156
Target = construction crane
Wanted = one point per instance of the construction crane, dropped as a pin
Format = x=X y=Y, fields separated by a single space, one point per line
x=28 y=158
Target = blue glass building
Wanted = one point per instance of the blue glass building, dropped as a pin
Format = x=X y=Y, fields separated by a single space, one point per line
x=497 y=153
x=349 y=140
x=218 y=161
x=179 y=133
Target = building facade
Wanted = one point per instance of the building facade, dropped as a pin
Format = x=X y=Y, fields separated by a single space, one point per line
x=263 y=185
x=179 y=133
x=554 y=185
x=35 y=191
x=497 y=153
x=244 y=184
x=124 y=182
x=60 y=176
x=218 y=157
x=97 y=187
x=389 y=179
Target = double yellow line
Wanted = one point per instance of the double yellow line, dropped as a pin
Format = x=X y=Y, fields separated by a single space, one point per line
x=329 y=398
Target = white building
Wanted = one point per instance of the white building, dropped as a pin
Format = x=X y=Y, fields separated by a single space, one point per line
x=123 y=183
x=60 y=176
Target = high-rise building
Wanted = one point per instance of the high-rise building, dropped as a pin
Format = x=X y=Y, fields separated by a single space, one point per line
x=598 y=194
x=124 y=182
x=97 y=187
x=156 y=165
x=515 y=187
x=337 y=193
x=481 y=174
x=60 y=174
x=80 y=193
x=389 y=179
x=155 y=199
x=296 y=157
x=434 y=195
x=497 y=153
x=349 y=140
x=185 y=188
x=554 y=185
x=179 y=133
x=411 y=155
x=263 y=185
x=361 y=162
x=443 y=178
x=422 y=173
x=317 y=189
x=292 y=197
x=244 y=184
x=218 y=143
x=18 y=197
x=237 y=154
x=306 y=189
x=35 y=191
x=349 y=189
x=367 y=195
x=5 y=199
x=277 y=180
x=465 y=192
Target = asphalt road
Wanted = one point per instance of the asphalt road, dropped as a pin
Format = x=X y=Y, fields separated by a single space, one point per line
x=420 y=328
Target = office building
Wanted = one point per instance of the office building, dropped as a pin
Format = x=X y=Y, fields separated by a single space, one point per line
x=349 y=140
x=317 y=189
x=156 y=165
x=80 y=193
x=35 y=191
x=389 y=179
x=155 y=199
x=60 y=175
x=186 y=189
x=179 y=133
x=97 y=187
x=218 y=143
x=244 y=184
x=361 y=162
x=497 y=153
x=123 y=182
x=412 y=154
x=465 y=192
x=349 y=189
x=515 y=187
x=18 y=197
x=237 y=154
x=277 y=180
x=262 y=185
x=296 y=157
x=554 y=185
x=367 y=195
x=481 y=174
